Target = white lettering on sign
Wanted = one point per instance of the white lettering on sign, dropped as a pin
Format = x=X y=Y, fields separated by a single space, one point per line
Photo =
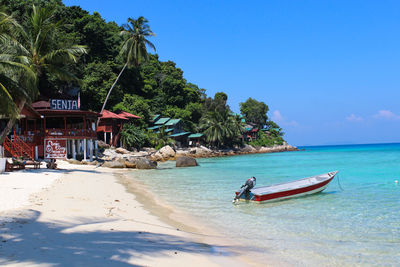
x=64 y=104
x=55 y=148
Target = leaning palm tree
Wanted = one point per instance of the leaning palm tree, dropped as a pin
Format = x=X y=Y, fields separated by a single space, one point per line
x=134 y=48
x=36 y=51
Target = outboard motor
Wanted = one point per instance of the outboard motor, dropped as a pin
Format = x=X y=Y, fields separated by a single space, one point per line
x=245 y=189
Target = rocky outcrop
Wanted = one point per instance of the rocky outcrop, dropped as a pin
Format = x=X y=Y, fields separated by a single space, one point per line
x=130 y=163
x=184 y=161
x=167 y=152
x=248 y=149
x=121 y=150
x=113 y=164
x=144 y=163
x=148 y=157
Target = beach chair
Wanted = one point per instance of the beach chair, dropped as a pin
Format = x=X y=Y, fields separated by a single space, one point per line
x=14 y=165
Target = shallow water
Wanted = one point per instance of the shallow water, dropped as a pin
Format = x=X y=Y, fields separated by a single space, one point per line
x=357 y=226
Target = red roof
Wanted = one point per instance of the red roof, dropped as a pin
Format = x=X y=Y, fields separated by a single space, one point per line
x=41 y=104
x=128 y=115
x=29 y=112
x=110 y=115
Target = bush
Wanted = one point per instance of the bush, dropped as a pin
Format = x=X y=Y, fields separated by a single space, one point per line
x=267 y=140
x=133 y=136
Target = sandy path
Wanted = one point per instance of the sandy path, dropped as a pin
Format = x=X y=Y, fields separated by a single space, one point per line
x=86 y=218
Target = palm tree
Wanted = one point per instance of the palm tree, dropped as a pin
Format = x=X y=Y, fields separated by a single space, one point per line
x=17 y=80
x=220 y=127
x=34 y=50
x=134 y=48
x=11 y=64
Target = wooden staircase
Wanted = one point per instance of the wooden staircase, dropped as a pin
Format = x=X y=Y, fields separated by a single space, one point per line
x=18 y=148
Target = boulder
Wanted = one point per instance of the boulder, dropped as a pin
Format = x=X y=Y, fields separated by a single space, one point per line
x=148 y=149
x=113 y=164
x=101 y=144
x=167 y=152
x=182 y=153
x=143 y=163
x=247 y=148
x=122 y=150
x=130 y=163
x=186 y=162
x=206 y=150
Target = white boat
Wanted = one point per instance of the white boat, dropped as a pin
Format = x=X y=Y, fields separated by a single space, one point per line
x=297 y=188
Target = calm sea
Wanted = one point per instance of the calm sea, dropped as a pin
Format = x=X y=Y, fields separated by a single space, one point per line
x=359 y=225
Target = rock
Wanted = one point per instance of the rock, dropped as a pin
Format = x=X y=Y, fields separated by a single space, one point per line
x=113 y=164
x=143 y=163
x=122 y=150
x=148 y=150
x=186 y=162
x=206 y=150
x=156 y=156
x=101 y=144
x=167 y=152
x=130 y=163
x=182 y=153
x=247 y=148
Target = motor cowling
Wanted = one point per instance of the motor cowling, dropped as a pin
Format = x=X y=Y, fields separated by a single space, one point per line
x=245 y=189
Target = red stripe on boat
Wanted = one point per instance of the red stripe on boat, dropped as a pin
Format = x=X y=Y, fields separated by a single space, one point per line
x=291 y=192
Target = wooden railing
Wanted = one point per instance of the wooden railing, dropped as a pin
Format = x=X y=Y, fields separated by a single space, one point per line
x=18 y=148
x=70 y=132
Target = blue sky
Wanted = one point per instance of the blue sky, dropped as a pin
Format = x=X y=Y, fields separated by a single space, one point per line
x=329 y=70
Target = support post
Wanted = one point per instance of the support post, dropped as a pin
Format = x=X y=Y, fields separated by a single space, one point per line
x=96 y=148
x=1 y=152
x=73 y=149
x=105 y=137
x=36 y=153
x=91 y=149
x=84 y=149
x=111 y=140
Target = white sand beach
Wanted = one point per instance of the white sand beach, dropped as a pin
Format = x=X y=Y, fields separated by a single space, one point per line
x=83 y=216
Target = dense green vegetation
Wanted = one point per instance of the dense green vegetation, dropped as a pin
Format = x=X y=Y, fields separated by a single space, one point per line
x=49 y=49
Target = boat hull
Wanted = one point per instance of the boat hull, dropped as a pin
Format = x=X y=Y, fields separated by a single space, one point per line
x=292 y=193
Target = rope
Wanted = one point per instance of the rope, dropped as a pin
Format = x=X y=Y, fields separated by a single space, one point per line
x=338 y=180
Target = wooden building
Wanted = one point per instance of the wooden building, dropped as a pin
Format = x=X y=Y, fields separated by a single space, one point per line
x=111 y=125
x=54 y=129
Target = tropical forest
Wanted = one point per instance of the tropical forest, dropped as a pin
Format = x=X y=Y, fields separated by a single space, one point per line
x=49 y=50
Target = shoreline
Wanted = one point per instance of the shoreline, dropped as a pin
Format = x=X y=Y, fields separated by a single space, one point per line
x=88 y=216
x=183 y=221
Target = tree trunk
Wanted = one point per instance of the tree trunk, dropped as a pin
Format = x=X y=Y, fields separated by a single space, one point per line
x=11 y=122
x=109 y=92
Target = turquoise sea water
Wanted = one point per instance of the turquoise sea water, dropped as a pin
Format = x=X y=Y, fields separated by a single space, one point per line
x=357 y=226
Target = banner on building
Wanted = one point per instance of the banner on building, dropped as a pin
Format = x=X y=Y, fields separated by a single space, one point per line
x=55 y=148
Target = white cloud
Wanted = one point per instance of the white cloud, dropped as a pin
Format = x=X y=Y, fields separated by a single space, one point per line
x=386 y=114
x=354 y=118
x=280 y=119
x=277 y=116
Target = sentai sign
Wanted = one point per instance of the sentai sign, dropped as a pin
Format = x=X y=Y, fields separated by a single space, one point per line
x=64 y=104
x=55 y=148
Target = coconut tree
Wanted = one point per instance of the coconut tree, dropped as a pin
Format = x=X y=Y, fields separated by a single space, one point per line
x=220 y=127
x=35 y=51
x=17 y=80
x=134 y=47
